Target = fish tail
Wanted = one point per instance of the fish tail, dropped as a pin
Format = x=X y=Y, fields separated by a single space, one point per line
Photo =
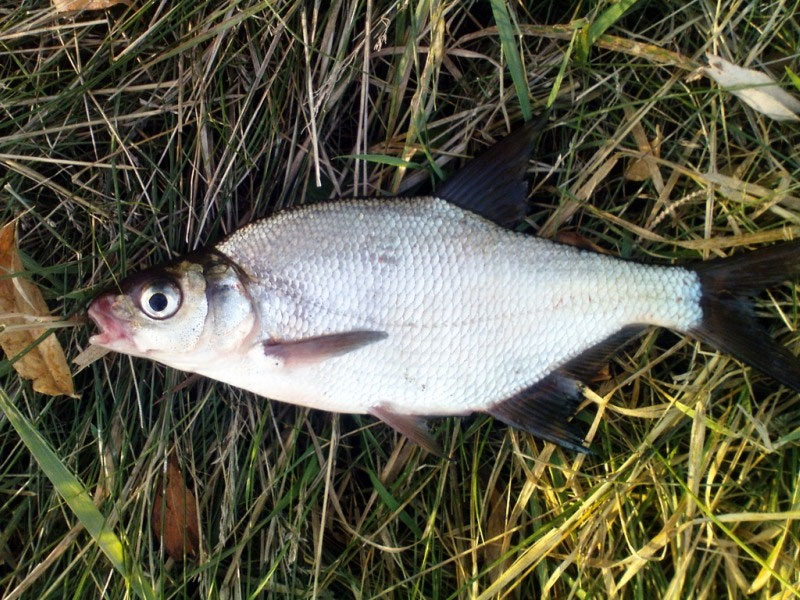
x=729 y=322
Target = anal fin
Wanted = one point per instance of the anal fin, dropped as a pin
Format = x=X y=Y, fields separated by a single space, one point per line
x=584 y=366
x=545 y=410
x=412 y=426
x=322 y=347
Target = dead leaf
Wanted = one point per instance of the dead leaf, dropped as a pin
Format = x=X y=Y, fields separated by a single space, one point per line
x=497 y=534
x=175 y=513
x=603 y=374
x=76 y=5
x=576 y=239
x=637 y=170
x=756 y=89
x=20 y=301
x=644 y=167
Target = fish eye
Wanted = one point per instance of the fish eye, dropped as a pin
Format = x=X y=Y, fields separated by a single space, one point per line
x=160 y=299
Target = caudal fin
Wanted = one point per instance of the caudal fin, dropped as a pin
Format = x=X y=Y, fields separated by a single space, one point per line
x=729 y=322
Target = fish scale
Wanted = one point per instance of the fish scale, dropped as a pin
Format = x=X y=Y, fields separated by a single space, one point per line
x=474 y=313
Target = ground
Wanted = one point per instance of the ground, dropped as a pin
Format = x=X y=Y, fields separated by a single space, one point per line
x=134 y=134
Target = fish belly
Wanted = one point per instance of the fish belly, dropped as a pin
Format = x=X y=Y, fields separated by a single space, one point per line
x=474 y=313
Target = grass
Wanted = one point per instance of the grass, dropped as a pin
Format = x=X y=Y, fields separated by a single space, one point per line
x=132 y=135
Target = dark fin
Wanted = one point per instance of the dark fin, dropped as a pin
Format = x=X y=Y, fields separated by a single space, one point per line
x=493 y=184
x=413 y=427
x=545 y=410
x=589 y=362
x=315 y=349
x=729 y=323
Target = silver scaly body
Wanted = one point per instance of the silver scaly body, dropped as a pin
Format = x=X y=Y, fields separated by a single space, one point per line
x=474 y=313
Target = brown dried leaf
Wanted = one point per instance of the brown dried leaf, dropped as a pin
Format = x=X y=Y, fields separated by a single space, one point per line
x=45 y=364
x=175 y=514
x=604 y=374
x=637 y=170
x=497 y=534
x=644 y=167
x=76 y=5
x=576 y=239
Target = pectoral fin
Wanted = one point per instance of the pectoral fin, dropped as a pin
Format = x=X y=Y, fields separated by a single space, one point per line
x=411 y=426
x=322 y=347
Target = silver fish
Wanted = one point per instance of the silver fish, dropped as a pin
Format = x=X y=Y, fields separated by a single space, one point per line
x=411 y=307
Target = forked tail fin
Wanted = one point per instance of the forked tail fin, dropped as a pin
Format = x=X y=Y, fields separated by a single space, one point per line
x=729 y=323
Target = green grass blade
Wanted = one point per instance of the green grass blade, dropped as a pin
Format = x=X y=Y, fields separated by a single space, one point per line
x=559 y=78
x=511 y=52
x=383 y=159
x=77 y=498
x=794 y=77
x=786 y=585
x=601 y=24
x=393 y=504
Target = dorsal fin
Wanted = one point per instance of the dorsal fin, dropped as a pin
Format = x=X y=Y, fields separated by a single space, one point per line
x=493 y=184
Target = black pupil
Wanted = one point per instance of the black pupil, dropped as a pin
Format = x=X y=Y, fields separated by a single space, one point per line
x=158 y=302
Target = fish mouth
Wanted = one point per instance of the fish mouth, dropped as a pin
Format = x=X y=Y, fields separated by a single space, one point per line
x=111 y=329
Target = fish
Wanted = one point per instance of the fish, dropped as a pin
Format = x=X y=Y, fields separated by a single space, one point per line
x=406 y=308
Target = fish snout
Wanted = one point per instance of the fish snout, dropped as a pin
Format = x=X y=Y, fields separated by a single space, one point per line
x=112 y=329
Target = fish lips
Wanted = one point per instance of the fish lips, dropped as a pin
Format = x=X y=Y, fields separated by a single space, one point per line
x=112 y=329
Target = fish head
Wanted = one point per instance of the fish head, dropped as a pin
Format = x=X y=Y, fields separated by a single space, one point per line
x=181 y=314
